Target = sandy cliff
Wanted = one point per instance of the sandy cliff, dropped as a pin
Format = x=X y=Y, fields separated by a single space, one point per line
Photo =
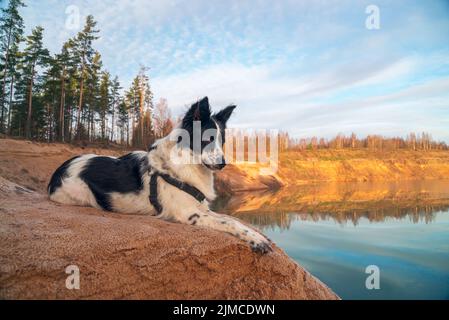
x=314 y=166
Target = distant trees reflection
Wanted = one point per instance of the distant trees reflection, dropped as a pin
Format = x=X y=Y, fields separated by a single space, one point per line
x=416 y=201
x=283 y=220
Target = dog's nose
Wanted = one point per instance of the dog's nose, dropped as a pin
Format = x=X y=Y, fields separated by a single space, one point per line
x=222 y=164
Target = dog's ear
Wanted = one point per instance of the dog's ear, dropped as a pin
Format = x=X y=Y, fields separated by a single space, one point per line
x=224 y=114
x=199 y=111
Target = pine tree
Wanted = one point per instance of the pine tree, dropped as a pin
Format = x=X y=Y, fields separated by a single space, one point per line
x=132 y=107
x=34 y=56
x=104 y=103
x=114 y=98
x=50 y=95
x=70 y=96
x=18 y=113
x=11 y=32
x=84 y=55
x=14 y=58
x=123 y=120
x=140 y=99
x=63 y=69
x=92 y=97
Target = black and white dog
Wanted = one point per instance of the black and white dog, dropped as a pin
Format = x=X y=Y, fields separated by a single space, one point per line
x=160 y=182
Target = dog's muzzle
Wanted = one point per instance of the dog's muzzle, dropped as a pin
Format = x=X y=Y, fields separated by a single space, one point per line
x=216 y=166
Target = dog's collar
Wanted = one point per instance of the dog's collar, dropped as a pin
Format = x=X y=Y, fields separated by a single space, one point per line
x=187 y=188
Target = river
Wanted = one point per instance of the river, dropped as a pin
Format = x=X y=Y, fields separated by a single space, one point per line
x=343 y=233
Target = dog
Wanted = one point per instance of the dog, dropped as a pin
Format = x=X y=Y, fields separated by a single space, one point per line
x=160 y=182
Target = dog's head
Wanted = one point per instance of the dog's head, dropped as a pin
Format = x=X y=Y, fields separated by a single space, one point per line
x=207 y=132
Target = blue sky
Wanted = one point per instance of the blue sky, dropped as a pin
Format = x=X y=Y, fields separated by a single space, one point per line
x=311 y=67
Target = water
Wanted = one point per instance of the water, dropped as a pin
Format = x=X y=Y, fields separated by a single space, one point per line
x=336 y=230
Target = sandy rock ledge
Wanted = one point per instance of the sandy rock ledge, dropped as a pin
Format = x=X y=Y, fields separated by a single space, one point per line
x=127 y=257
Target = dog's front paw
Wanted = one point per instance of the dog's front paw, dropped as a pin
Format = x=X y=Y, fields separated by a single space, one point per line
x=259 y=243
x=262 y=247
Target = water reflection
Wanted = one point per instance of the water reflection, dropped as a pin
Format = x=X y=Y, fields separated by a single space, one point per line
x=284 y=220
x=336 y=230
x=417 y=201
x=413 y=258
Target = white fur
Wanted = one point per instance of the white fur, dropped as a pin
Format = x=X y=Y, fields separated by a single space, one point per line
x=213 y=153
x=75 y=191
x=180 y=206
x=177 y=205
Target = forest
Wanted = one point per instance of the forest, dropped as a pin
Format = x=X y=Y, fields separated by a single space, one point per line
x=71 y=97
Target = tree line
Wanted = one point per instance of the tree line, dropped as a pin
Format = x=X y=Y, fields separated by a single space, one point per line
x=70 y=96
x=413 y=141
x=242 y=140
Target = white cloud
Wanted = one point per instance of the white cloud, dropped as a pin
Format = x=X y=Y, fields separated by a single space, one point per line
x=232 y=82
x=265 y=101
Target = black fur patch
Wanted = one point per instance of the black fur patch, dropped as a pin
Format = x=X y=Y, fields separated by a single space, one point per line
x=223 y=115
x=101 y=197
x=210 y=126
x=58 y=175
x=104 y=175
x=193 y=216
x=199 y=111
x=222 y=118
